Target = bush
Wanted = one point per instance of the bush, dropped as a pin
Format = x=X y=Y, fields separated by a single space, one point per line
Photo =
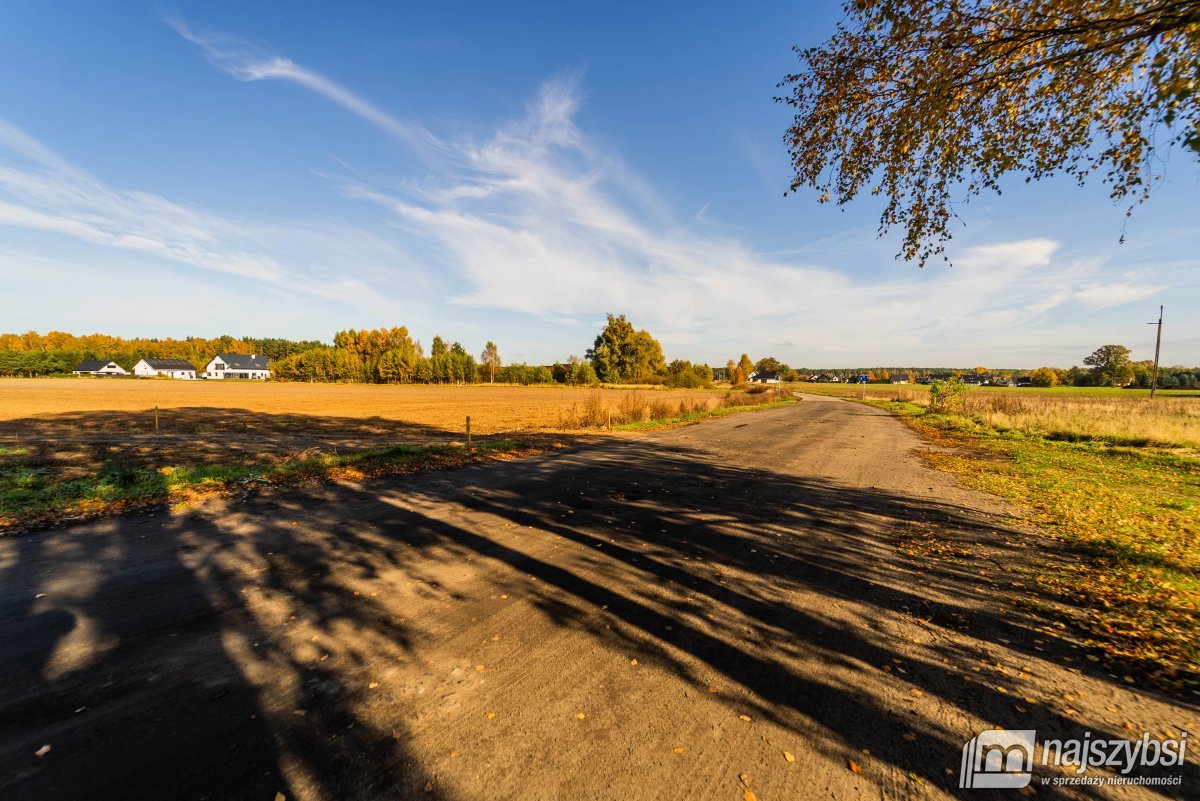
x=946 y=397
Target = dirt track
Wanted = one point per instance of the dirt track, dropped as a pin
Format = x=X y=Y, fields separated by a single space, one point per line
x=473 y=634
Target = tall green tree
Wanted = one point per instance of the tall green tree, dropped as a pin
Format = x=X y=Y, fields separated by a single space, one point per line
x=930 y=102
x=1110 y=366
x=623 y=353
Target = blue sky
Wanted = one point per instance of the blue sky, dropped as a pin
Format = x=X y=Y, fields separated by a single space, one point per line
x=512 y=172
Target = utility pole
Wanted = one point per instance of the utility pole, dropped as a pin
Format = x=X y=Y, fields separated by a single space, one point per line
x=1157 y=347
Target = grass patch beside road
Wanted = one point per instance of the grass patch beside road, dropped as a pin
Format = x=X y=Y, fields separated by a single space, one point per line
x=33 y=495
x=1131 y=514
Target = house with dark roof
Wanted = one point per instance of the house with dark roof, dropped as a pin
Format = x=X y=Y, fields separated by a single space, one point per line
x=99 y=367
x=238 y=366
x=171 y=368
x=765 y=377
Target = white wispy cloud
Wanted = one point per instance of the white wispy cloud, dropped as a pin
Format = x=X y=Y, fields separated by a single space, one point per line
x=247 y=62
x=539 y=218
x=41 y=191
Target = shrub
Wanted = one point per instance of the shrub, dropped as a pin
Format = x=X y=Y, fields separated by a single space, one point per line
x=946 y=397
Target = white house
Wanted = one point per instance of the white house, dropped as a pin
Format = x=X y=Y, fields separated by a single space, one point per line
x=99 y=367
x=765 y=377
x=238 y=365
x=171 y=368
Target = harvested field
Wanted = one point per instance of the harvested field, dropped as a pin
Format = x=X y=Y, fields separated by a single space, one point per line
x=493 y=409
x=64 y=439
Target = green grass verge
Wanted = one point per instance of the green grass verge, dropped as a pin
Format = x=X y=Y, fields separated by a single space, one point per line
x=1131 y=515
x=693 y=417
x=31 y=494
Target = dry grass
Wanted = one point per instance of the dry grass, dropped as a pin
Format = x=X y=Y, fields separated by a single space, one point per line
x=1116 y=416
x=602 y=409
x=1127 y=421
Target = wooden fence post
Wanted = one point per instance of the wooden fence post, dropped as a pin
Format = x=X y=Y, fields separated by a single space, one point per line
x=468 y=430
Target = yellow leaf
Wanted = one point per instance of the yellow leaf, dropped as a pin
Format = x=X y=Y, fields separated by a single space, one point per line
x=789 y=756
x=580 y=715
x=491 y=715
x=633 y=661
x=744 y=778
x=372 y=685
x=749 y=796
x=678 y=749
x=854 y=766
x=745 y=718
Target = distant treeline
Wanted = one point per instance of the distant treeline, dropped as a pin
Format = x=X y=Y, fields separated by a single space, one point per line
x=392 y=356
x=57 y=352
x=620 y=354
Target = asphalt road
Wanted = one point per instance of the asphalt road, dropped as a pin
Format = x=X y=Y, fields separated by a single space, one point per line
x=783 y=601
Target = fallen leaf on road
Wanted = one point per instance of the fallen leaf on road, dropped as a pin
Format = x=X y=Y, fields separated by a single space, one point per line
x=480 y=668
x=789 y=756
x=633 y=661
x=491 y=715
x=580 y=715
x=678 y=749
x=712 y=689
x=503 y=597
x=854 y=766
x=909 y=738
x=745 y=718
x=917 y=692
x=372 y=685
x=744 y=778
x=281 y=796
x=749 y=796
x=45 y=749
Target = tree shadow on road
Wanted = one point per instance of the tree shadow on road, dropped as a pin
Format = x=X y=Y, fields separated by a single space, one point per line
x=234 y=648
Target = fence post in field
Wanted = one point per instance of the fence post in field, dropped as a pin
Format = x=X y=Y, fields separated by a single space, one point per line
x=156 y=419
x=468 y=430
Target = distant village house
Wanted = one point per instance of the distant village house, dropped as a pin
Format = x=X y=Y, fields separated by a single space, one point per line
x=99 y=367
x=171 y=368
x=765 y=377
x=238 y=366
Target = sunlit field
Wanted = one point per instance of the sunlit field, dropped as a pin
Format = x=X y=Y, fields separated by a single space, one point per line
x=1118 y=416
x=69 y=444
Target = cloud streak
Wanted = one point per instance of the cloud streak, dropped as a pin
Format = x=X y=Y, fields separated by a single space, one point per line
x=246 y=62
x=539 y=218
